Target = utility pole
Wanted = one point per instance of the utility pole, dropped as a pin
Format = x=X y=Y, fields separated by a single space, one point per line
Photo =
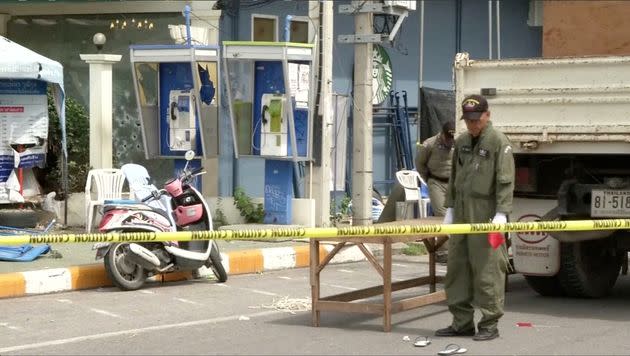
x=362 y=120
x=321 y=175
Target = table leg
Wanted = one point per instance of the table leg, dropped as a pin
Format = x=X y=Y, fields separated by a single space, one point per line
x=432 y=267
x=387 y=286
x=314 y=276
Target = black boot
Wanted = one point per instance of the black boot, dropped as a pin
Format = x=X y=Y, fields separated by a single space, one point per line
x=449 y=331
x=486 y=334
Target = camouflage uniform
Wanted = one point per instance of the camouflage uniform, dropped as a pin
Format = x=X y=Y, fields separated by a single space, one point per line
x=433 y=162
x=482 y=184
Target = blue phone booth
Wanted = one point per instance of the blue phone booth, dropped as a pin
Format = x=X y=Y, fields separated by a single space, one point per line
x=177 y=92
x=270 y=101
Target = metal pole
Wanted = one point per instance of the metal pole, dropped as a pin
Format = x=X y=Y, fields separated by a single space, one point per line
x=498 y=29
x=489 y=29
x=187 y=15
x=362 y=121
x=323 y=209
x=334 y=152
x=420 y=69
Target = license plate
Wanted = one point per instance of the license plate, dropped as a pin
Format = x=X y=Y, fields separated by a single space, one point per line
x=610 y=203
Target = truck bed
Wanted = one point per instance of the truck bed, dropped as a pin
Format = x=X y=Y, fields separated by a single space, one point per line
x=553 y=106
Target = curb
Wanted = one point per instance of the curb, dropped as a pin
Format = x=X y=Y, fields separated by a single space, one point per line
x=89 y=276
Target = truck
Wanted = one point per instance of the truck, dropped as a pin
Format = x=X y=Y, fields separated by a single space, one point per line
x=568 y=120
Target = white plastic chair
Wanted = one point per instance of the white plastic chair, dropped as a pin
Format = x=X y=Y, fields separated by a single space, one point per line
x=108 y=184
x=138 y=178
x=409 y=181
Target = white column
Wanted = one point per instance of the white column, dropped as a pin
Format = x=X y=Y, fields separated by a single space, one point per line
x=209 y=19
x=4 y=20
x=101 y=139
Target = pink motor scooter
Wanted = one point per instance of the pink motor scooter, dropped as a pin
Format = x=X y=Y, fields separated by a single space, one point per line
x=176 y=207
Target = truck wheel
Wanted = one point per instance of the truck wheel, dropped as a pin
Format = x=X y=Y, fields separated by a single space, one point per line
x=547 y=286
x=20 y=218
x=589 y=269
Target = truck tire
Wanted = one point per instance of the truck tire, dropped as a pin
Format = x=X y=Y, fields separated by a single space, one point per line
x=20 y=218
x=547 y=286
x=589 y=269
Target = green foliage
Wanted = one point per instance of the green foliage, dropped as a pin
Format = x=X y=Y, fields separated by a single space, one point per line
x=344 y=209
x=218 y=218
x=78 y=144
x=345 y=204
x=252 y=212
x=415 y=249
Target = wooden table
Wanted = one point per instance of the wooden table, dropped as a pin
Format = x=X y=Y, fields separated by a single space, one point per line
x=346 y=302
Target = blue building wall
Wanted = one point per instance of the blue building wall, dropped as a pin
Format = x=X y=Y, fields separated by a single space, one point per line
x=518 y=40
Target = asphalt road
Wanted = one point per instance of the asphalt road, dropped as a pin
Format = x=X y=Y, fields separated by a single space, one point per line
x=267 y=314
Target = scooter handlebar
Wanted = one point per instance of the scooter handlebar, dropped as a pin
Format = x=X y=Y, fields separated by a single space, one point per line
x=155 y=195
x=195 y=172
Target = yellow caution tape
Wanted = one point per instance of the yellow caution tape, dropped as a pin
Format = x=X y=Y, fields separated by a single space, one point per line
x=351 y=231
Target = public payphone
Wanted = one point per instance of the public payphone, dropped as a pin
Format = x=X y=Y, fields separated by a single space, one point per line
x=177 y=94
x=270 y=101
x=274 y=132
x=182 y=120
x=271 y=107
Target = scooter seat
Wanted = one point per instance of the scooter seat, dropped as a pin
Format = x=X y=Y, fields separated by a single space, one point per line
x=132 y=204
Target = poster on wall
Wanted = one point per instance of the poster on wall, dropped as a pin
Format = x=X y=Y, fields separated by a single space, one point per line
x=23 y=125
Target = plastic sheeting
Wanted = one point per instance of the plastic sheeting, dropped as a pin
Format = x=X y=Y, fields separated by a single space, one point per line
x=18 y=62
x=437 y=107
x=23 y=253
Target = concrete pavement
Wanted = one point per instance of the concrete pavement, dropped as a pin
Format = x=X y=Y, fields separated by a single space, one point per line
x=73 y=266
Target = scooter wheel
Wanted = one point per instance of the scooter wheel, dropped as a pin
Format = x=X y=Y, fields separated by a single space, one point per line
x=216 y=265
x=125 y=274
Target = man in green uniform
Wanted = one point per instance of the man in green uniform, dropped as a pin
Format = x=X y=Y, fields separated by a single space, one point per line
x=433 y=162
x=480 y=190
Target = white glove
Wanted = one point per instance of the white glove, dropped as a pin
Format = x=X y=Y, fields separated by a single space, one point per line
x=499 y=218
x=448 y=216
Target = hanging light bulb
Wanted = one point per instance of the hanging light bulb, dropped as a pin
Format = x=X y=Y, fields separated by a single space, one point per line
x=139 y=24
x=125 y=23
x=111 y=26
x=150 y=25
x=133 y=20
x=146 y=21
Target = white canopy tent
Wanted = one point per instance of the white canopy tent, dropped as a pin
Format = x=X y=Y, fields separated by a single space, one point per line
x=18 y=62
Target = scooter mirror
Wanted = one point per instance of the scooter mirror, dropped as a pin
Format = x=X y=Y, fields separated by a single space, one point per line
x=190 y=154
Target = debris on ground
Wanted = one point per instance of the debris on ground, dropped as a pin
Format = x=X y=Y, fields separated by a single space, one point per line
x=289 y=305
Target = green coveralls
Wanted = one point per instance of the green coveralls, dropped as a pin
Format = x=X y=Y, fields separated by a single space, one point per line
x=433 y=162
x=432 y=157
x=482 y=184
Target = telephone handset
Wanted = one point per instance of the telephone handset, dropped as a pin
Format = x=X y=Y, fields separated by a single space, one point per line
x=265 y=115
x=173 y=107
